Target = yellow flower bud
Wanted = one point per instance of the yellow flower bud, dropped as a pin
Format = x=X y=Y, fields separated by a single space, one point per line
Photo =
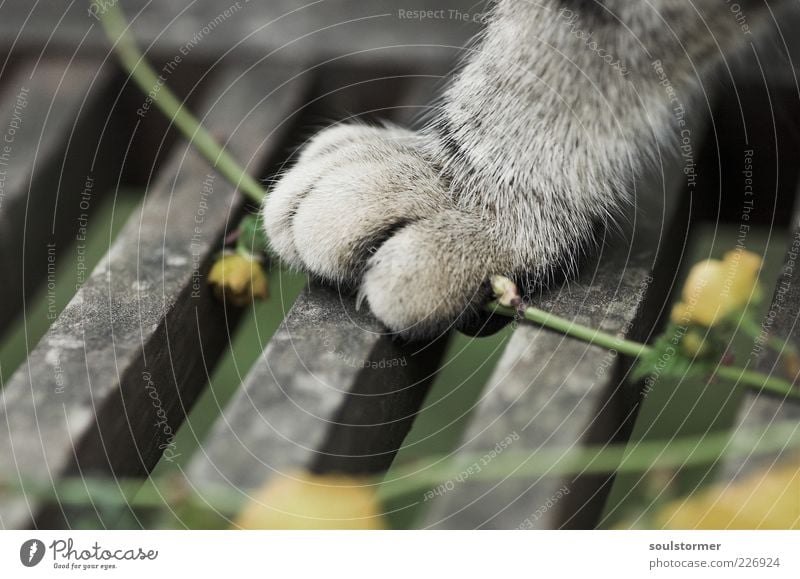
x=716 y=288
x=238 y=279
x=693 y=344
x=309 y=501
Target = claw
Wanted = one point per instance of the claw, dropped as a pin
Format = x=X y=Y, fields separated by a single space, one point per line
x=360 y=297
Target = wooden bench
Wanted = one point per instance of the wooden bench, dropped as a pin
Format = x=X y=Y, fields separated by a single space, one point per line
x=113 y=379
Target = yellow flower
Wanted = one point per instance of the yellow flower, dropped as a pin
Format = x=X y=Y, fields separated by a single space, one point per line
x=764 y=500
x=309 y=501
x=715 y=289
x=238 y=279
x=693 y=344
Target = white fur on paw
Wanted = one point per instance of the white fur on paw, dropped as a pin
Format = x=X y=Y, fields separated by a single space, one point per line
x=430 y=276
x=283 y=201
x=348 y=190
x=363 y=207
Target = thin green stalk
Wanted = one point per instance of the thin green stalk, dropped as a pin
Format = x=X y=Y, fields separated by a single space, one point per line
x=423 y=475
x=108 y=493
x=677 y=453
x=782 y=347
x=145 y=77
x=760 y=381
x=570 y=328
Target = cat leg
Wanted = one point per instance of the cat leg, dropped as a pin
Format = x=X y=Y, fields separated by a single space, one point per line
x=536 y=141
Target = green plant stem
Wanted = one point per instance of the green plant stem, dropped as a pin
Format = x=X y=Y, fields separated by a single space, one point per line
x=761 y=382
x=677 y=453
x=423 y=475
x=570 y=328
x=756 y=332
x=134 y=62
x=107 y=493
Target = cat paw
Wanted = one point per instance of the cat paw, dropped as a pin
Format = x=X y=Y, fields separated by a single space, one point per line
x=363 y=208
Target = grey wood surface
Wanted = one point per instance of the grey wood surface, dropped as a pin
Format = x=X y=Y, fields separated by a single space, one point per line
x=52 y=116
x=307 y=30
x=553 y=392
x=107 y=387
x=332 y=392
x=296 y=30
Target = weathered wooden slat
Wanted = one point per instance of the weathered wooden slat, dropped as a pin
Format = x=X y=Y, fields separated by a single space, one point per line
x=52 y=115
x=107 y=387
x=552 y=392
x=375 y=31
x=332 y=392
